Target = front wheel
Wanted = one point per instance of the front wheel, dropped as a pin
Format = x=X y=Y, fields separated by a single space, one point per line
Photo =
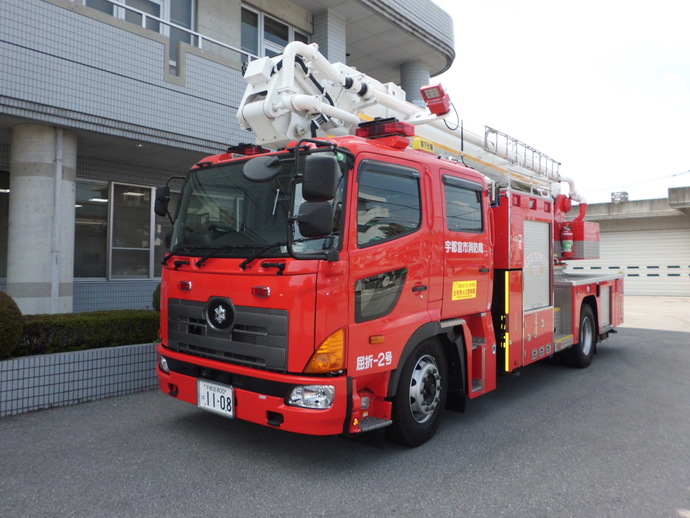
x=421 y=397
x=580 y=355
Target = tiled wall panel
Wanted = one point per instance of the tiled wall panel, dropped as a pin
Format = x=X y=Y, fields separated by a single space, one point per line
x=51 y=380
x=85 y=72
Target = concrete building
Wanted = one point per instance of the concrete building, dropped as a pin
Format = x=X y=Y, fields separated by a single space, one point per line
x=647 y=240
x=102 y=100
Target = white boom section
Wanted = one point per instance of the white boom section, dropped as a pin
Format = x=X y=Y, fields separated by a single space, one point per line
x=301 y=94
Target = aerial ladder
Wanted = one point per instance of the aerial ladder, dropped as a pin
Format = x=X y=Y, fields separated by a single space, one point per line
x=304 y=95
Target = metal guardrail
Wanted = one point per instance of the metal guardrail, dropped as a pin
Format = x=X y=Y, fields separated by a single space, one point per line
x=196 y=39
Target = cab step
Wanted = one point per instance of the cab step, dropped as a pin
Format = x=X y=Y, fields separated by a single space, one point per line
x=372 y=423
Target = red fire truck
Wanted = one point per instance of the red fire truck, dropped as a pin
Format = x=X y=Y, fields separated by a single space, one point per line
x=378 y=267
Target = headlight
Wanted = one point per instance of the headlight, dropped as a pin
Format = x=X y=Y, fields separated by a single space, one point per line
x=164 y=365
x=312 y=396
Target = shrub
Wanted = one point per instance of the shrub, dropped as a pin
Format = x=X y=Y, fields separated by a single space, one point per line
x=157 y=298
x=11 y=325
x=93 y=330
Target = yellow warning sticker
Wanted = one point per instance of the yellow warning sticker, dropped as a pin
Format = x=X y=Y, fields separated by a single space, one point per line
x=464 y=290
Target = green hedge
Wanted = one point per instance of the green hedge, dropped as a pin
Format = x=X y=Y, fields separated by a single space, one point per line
x=78 y=331
x=11 y=325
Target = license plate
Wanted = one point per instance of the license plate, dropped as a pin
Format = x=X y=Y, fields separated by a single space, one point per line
x=215 y=398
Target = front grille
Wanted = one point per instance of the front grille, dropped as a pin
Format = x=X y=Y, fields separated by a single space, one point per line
x=220 y=355
x=249 y=334
x=258 y=337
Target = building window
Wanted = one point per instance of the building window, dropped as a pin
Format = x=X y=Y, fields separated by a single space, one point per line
x=265 y=36
x=115 y=234
x=105 y=6
x=181 y=13
x=131 y=242
x=152 y=14
x=91 y=229
x=146 y=13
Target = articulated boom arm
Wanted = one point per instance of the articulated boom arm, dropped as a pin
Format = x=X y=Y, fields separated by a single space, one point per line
x=301 y=94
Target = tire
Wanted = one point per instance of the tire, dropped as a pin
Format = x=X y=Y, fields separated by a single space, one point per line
x=580 y=355
x=421 y=396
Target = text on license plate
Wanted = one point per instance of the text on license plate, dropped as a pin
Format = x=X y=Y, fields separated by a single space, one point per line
x=215 y=397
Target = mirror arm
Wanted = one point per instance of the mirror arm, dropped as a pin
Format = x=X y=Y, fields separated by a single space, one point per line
x=167 y=210
x=324 y=255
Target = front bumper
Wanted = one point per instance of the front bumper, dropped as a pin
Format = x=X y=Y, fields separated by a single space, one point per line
x=259 y=395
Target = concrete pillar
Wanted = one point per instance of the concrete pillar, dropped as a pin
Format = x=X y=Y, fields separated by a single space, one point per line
x=40 y=244
x=329 y=34
x=413 y=75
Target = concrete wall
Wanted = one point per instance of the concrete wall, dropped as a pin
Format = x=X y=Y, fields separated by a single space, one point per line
x=40 y=239
x=329 y=33
x=665 y=213
x=218 y=19
x=424 y=19
x=679 y=198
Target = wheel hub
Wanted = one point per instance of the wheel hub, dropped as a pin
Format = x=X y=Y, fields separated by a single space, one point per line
x=425 y=389
x=587 y=336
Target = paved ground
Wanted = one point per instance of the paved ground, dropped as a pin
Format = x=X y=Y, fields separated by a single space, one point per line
x=665 y=313
x=612 y=440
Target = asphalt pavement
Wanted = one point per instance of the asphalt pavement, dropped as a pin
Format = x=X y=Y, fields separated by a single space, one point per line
x=612 y=440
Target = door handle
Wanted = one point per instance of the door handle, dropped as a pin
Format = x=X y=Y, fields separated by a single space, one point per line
x=484 y=270
x=419 y=288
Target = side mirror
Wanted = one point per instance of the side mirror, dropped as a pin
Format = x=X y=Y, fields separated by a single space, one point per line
x=321 y=173
x=160 y=206
x=315 y=219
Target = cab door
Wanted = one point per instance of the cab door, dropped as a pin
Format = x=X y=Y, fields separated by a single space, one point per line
x=468 y=255
x=389 y=262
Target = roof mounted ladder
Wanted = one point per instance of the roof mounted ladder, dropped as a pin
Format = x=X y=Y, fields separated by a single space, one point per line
x=519 y=153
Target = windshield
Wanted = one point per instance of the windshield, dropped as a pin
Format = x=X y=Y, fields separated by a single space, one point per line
x=223 y=212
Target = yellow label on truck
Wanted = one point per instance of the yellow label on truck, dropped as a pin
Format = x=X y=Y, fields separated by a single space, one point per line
x=464 y=290
x=423 y=145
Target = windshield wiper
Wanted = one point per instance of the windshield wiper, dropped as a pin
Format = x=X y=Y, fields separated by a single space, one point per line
x=261 y=252
x=216 y=251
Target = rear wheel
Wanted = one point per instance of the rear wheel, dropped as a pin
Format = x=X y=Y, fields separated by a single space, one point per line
x=421 y=396
x=580 y=355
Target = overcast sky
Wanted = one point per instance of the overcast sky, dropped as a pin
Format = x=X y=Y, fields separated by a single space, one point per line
x=601 y=86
